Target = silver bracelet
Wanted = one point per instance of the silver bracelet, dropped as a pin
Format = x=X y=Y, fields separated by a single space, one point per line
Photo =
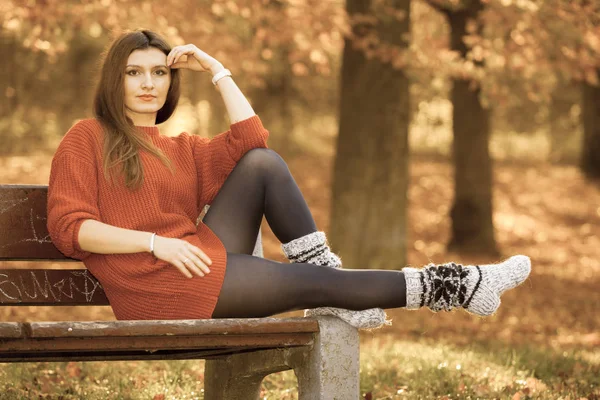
x=221 y=74
x=152 y=243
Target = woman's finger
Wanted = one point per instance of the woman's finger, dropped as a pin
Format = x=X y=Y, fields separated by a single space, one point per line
x=170 y=56
x=181 y=267
x=175 y=53
x=177 y=57
x=174 y=57
x=202 y=255
x=182 y=52
x=194 y=268
x=191 y=266
x=197 y=262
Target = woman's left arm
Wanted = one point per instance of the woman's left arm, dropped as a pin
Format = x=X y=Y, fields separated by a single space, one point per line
x=236 y=103
x=215 y=158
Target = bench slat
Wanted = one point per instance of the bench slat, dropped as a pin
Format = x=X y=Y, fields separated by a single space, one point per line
x=154 y=343
x=225 y=326
x=10 y=330
x=24 y=234
x=127 y=340
x=139 y=355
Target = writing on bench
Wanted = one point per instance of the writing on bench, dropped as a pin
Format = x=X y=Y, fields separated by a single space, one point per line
x=37 y=237
x=27 y=285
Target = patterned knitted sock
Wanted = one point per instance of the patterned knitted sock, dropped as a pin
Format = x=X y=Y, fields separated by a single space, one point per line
x=312 y=248
x=476 y=289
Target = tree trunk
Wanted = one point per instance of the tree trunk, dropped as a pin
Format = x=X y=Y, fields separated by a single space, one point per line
x=81 y=58
x=562 y=126
x=590 y=152
x=274 y=102
x=8 y=78
x=369 y=197
x=471 y=213
x=286 y=115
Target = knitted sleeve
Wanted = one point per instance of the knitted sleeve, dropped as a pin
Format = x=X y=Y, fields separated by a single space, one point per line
x=72 y=191
x=215 y=158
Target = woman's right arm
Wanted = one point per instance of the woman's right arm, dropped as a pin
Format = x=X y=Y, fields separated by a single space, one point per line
x=98 y=237
x=74 y=220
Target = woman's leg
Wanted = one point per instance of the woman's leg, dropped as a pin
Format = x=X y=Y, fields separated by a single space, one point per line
x=261 y=184
x=257 y=287
x=254 y=287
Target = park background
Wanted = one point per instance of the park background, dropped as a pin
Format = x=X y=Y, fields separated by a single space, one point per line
x=419 y=131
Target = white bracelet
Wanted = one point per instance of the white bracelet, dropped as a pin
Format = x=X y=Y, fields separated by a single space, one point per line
x=221 y=74
x=152 y=243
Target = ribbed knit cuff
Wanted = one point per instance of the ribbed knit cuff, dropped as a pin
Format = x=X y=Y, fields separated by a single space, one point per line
x=311 y=248
x=250 y=132
x=78 y=252
x=414 y=288
x=297 y=246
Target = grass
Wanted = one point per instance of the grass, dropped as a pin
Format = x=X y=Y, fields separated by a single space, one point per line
x=391 y=368
x=398 y=369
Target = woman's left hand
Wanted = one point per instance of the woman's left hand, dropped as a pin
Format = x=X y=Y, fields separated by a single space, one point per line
x=191 y=57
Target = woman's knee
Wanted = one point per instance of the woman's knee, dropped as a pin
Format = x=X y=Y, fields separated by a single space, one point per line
x=264 y=160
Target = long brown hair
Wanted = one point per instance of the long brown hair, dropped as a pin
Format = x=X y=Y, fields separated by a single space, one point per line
x=122 y=140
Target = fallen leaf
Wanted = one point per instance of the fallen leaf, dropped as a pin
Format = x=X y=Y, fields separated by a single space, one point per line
x=73 y=369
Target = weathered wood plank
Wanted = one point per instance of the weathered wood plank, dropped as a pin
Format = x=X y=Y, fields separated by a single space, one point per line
x=225 y=326
x=140 y=355
x=155 y=343
x=24 y=235
x=11 y=330
x=67 y=287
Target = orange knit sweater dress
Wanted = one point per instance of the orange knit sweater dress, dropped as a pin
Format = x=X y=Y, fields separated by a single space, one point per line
x=139 y=285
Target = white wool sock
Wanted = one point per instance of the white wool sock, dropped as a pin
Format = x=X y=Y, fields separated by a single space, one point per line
x=475 y=288
x=313 y=249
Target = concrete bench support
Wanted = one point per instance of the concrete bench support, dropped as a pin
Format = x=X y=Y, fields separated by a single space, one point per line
x=328 y=370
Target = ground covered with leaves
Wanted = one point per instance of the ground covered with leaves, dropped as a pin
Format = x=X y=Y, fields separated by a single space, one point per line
x=544 y=342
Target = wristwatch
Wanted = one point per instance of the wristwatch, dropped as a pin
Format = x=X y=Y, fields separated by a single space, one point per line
x=221 y=74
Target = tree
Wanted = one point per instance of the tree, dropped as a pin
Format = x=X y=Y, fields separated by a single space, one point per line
x=564 y=37
x=471 y=213
x=590 y=158
x=562 y=126
x=369 y=196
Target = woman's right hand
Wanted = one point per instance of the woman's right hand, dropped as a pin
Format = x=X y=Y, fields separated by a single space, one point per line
x=175 y=251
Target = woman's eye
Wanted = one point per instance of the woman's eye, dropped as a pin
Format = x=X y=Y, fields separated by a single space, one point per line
x=133 y=70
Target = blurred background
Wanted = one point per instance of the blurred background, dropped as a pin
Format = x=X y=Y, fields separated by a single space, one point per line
x=418 y=130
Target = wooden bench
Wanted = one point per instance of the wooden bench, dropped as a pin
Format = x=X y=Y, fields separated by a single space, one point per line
x=239 y=353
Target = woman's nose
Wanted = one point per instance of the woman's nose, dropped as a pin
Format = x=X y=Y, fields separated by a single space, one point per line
x=148 y=81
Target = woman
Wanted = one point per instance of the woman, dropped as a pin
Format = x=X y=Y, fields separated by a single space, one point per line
x=124 y=199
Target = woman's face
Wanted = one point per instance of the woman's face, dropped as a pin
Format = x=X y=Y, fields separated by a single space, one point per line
x=146 y=73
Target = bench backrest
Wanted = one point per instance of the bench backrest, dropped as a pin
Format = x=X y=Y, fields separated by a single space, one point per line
x=24 y=237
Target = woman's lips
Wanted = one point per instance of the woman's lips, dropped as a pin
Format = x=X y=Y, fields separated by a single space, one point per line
x=147 y=98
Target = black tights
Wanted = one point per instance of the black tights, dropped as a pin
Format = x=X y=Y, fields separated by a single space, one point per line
x=261 y=184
